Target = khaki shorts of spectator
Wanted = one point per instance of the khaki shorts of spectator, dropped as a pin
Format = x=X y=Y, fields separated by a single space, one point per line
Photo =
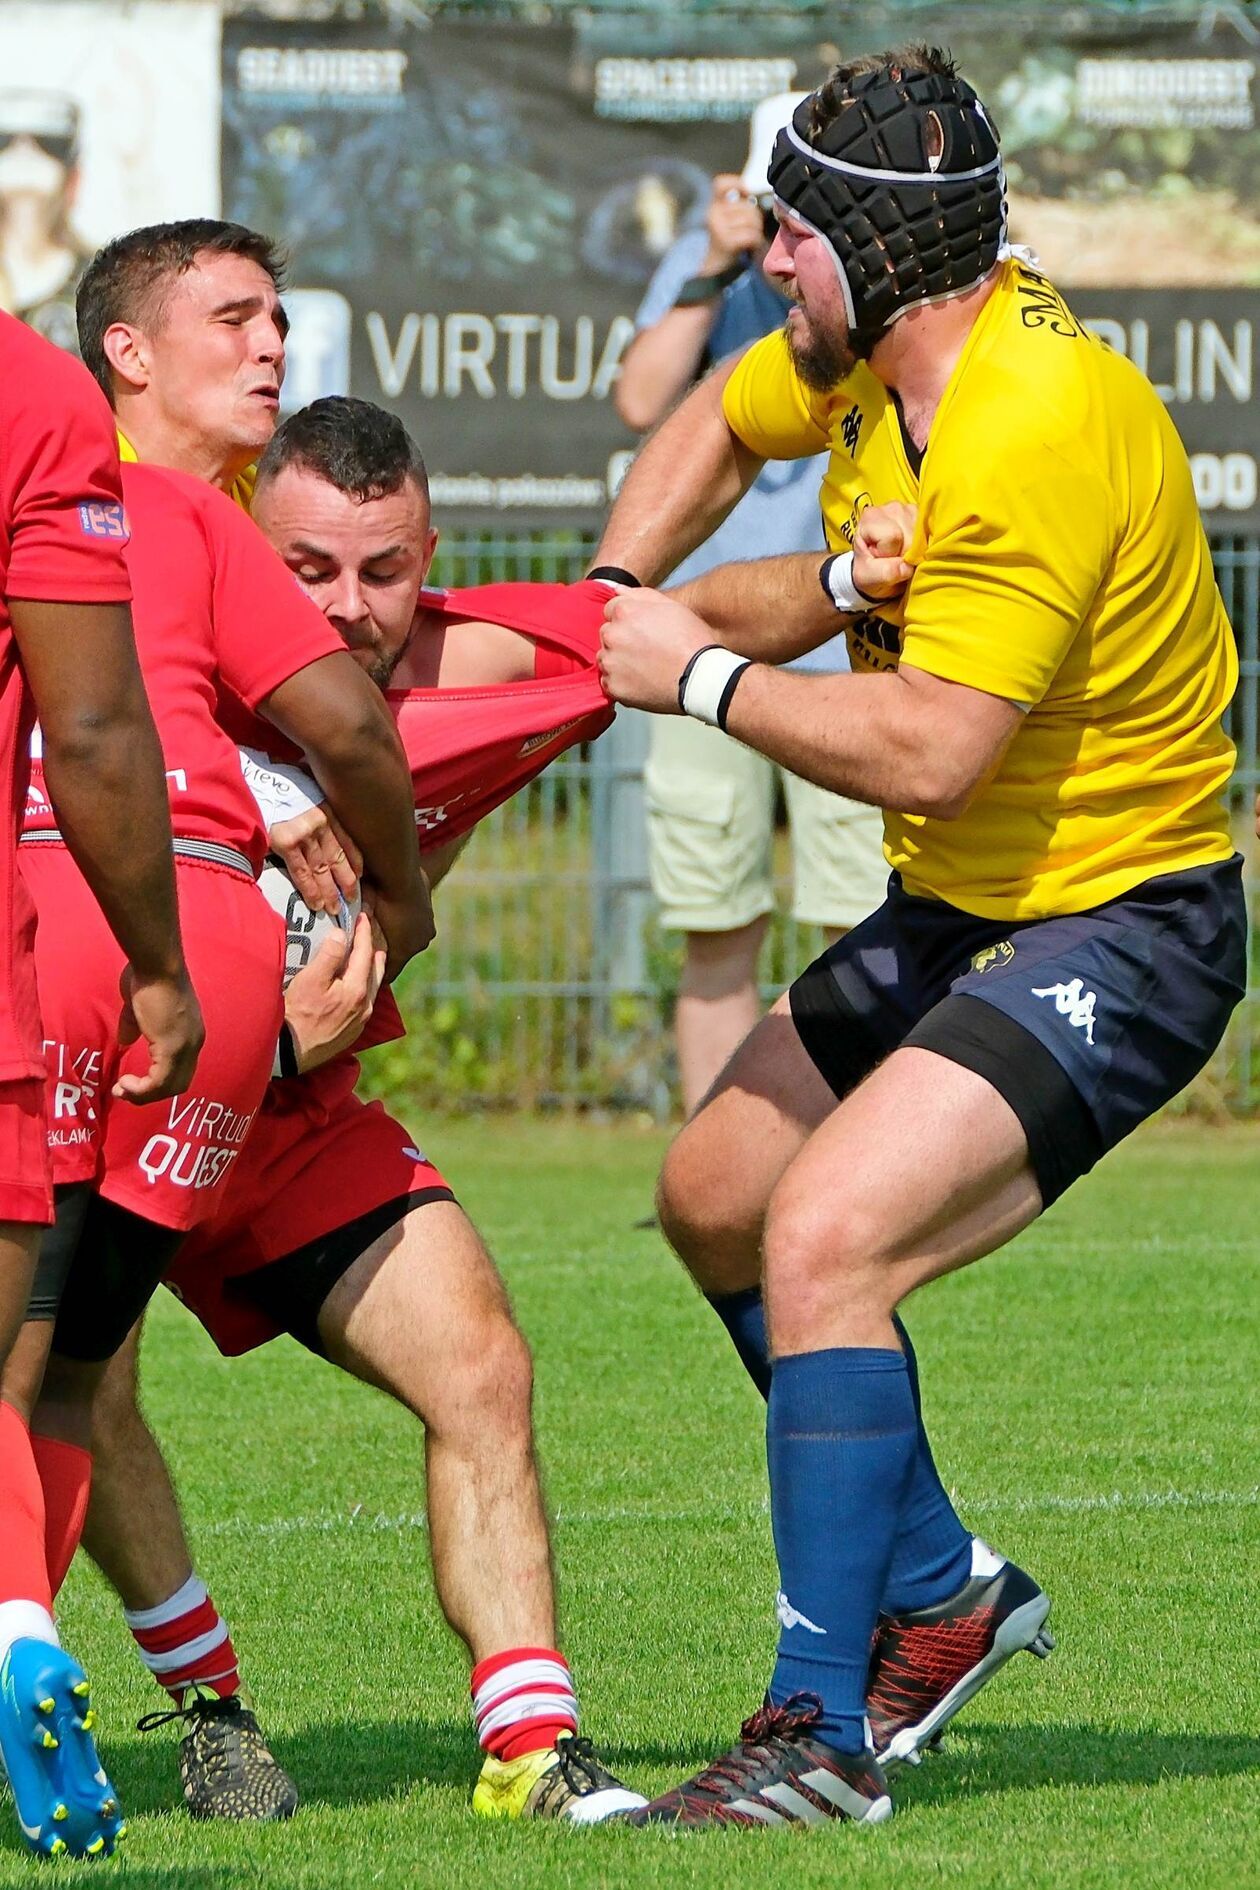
x=710 y=805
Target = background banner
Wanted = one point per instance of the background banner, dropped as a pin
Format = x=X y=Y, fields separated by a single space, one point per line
x=475 y=207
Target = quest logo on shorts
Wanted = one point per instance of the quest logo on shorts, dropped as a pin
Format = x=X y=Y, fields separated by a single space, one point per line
x=104 y=518
x=204 y=1140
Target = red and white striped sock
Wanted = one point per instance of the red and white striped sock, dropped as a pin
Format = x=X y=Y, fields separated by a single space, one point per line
x=522 y=1701
x=185 y=1643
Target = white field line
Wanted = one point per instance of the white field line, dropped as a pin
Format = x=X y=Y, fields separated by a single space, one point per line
x=362 y=1520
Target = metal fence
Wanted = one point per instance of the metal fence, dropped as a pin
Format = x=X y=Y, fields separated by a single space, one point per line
x=551 y=985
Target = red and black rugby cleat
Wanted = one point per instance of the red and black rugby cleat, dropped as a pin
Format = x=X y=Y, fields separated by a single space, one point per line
x=926 y=1665
x=777 y=1775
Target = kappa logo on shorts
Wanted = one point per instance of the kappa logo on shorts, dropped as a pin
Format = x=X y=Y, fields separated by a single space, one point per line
x=999 y=954
x=1074 y=1002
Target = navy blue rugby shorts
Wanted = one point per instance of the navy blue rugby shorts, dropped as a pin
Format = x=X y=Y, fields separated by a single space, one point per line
x=1085 y=1024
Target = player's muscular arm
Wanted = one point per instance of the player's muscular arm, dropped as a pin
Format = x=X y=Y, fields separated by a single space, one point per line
x=340 y=721
x=104 y=768
x=905 y=740
x=680 y=488
x=773 y=609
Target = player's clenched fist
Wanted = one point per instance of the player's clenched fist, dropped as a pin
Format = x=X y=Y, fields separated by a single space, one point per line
x=881 y=547
x=647 y=642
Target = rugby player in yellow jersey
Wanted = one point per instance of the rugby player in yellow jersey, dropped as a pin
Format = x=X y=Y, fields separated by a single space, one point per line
x=1063 y=938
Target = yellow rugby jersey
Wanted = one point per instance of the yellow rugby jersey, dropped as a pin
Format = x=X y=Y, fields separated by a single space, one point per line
x=241 y=490
x=1061 y=564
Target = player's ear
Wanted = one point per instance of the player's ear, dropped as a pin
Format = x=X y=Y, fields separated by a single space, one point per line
x=430 y=546
x=127 y=354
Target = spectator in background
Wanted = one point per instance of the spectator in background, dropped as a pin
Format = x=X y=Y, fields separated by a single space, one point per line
x=41 y=257
x=710 y=801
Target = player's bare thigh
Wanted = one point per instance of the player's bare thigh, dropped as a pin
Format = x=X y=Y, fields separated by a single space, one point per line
x=423 y=1314
x=923 y=1168
x=724 y=1165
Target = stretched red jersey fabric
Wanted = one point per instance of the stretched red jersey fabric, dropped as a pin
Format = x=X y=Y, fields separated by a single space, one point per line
x=317 y=1157
x=469 y=750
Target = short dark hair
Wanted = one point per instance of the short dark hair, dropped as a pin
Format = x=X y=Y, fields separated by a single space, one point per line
x=353 y=444
x=126 y=281
x=899 y=61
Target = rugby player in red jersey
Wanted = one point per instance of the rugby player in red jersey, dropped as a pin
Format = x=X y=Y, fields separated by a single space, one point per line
x=366 y=1256
x=131 y=1183
x=66 y=652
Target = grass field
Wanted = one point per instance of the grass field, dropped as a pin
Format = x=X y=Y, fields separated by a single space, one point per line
x=1093 y=1397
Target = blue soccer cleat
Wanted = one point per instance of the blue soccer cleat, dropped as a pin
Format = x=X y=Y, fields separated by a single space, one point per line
x=65 y=1804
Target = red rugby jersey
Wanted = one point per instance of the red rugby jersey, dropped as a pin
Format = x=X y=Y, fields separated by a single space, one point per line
x=470 y=750
x=212 y=603
x=62 y=535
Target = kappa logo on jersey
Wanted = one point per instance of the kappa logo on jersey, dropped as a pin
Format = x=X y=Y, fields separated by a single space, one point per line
x=850 y=429
x=999 y=954
x=1074 y=1002
x=790 y=1617
x=104 y=518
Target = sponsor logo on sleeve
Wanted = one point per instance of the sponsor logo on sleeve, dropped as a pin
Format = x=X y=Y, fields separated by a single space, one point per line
x=103 y=518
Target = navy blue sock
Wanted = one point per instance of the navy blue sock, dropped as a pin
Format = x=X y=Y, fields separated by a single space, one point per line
x=840 y=1439
x=744 y=1318
x=932 y=1557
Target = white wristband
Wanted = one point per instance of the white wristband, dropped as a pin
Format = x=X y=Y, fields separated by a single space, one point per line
x=836 y=577
x=707 y=684
x=281 y=791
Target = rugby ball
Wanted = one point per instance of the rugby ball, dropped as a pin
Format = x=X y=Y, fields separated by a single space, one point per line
x=305 y=931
